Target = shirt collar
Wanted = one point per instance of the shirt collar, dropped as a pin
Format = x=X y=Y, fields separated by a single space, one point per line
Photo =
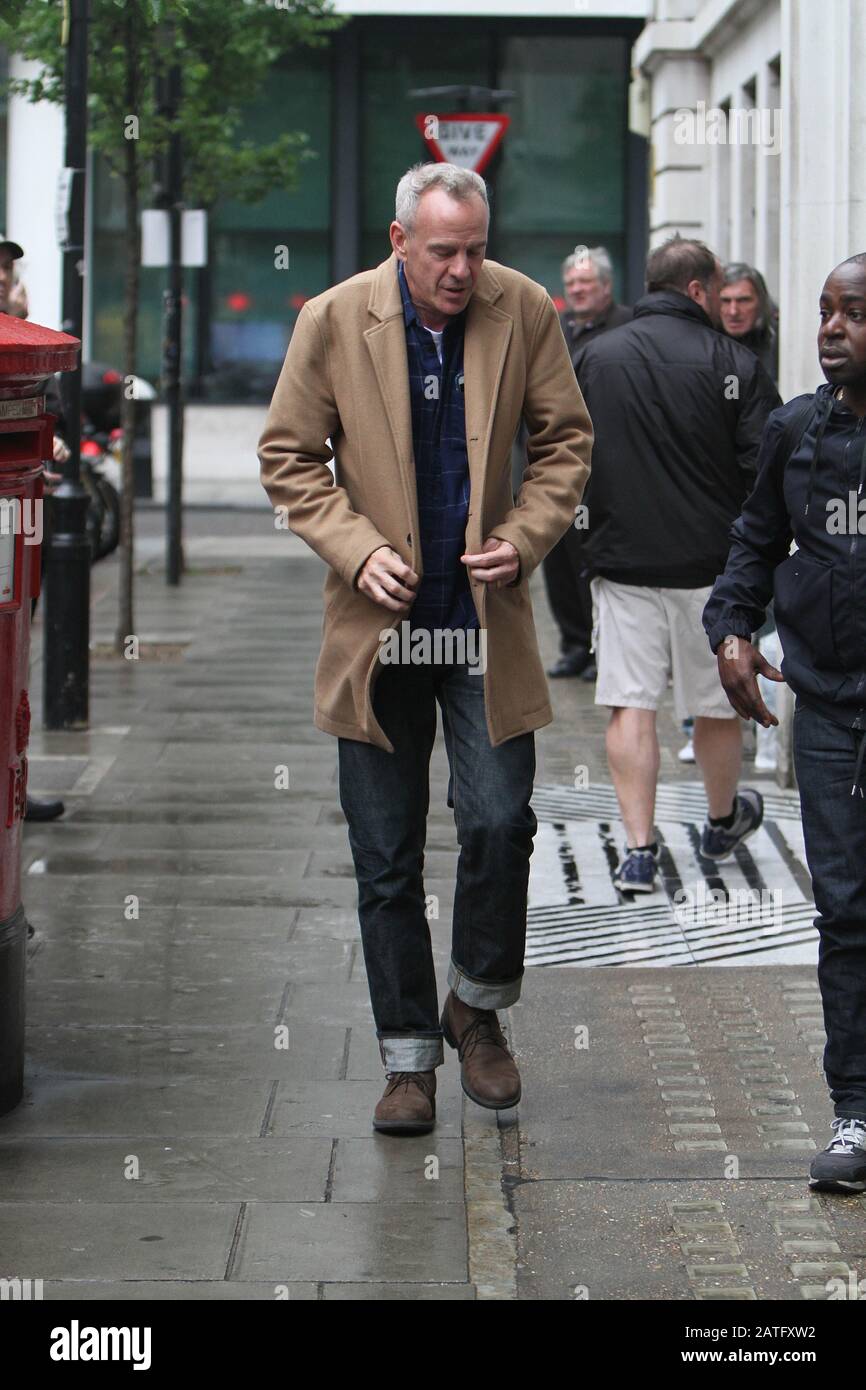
x=410 y=313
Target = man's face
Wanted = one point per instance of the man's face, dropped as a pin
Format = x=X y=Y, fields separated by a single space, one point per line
x=585 y=293
x=709 y=296
x=7 y=275
x=842 y=330
x=443 y=254
x=740 y=308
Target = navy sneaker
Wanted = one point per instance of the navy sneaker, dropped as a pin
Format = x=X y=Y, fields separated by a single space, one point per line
x=719 y=843
x=637 y=871
x=841 y=1167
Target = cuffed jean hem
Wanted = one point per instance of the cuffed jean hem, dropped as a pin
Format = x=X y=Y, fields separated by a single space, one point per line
x=411 y=1053
x=481 y=994
x=847 y=1114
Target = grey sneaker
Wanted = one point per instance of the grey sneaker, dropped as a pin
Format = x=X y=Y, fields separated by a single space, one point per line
x=841 y=1167
x=719 y=843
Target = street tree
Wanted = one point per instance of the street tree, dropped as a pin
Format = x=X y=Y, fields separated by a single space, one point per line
x=225 y=50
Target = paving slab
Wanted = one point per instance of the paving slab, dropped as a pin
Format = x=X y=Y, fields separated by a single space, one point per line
x=144 y=959
x=397 y=1293
x=269 y=1051
x=132 y=1170
x=421 y=1242
x=109 y=923
x=174 y=1290
x=114 y=1241
x=53 y=1105
x=96 y=890
x=234 y=1000
x=423 y=1168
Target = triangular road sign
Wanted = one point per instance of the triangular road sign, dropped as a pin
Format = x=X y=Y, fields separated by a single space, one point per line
x=465 y=138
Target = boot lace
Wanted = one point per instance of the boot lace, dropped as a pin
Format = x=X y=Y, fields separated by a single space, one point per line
x=396 y=1079
x=483 y=1029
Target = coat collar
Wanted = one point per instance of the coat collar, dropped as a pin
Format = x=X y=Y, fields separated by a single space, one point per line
x=386 y=301
x=671 y=302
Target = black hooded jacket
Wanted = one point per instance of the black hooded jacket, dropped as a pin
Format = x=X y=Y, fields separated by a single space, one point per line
x=678 y=410
x=812 y=492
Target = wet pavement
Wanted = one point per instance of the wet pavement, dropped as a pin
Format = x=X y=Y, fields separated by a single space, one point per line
x=201 y=1065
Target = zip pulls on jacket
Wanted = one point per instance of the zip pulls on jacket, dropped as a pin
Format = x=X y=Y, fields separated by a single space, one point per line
x=816 y=452
x=858 y=767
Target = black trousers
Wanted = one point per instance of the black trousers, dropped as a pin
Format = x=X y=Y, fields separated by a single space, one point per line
x=834 y=829
x=568 y=593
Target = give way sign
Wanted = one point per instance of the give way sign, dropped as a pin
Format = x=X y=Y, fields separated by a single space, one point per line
x=468 y=139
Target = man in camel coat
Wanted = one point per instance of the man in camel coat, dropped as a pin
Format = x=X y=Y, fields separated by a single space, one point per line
x=413 y=378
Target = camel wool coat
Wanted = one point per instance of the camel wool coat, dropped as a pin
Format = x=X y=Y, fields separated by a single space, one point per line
x=343 y=395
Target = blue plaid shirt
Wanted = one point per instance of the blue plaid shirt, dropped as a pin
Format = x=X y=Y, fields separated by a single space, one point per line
x=444 y=599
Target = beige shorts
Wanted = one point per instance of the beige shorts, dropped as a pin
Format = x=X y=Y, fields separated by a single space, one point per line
x=645 y=637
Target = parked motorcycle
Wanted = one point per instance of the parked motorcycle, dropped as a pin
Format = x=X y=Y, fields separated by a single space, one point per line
x=102 y=447
x=102 y=442
x=103 y=511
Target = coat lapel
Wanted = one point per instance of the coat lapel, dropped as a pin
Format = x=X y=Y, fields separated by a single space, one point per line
x=386 y=341
x=488 y=333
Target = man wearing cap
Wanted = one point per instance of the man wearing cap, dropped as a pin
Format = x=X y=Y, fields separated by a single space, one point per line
x=13 y=296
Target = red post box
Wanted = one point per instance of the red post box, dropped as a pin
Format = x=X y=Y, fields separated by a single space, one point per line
x=28 y=354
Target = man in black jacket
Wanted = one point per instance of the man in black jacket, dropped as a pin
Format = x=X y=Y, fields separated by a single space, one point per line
x=810 y=489
x=678 y=410
x=587 y=281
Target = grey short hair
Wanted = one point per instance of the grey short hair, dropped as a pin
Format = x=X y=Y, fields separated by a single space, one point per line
x=596 y=256
x=459 y=183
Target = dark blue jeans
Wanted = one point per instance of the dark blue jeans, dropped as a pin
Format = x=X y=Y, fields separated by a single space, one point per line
x=834 y=829
x=385 y=797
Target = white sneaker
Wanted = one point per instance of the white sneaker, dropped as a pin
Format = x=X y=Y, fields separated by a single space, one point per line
x=687 y=754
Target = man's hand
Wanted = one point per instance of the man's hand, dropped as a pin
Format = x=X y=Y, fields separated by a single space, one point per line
x=739 y=664
x=60 y=450
x=387 y=580
x=17 y=303
x=497 y=564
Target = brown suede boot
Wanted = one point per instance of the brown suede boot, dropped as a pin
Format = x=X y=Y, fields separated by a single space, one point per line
x=488 y=1072
x=408 y=1105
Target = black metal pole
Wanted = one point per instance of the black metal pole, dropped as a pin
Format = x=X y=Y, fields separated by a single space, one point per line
x=172 y=366
x=66 y=668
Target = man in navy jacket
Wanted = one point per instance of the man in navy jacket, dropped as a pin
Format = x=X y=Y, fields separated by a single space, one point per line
x=810 y=489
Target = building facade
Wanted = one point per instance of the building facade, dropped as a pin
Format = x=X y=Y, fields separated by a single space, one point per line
x=757 y=128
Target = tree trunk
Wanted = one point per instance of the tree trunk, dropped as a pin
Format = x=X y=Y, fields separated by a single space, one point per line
x=125 y=619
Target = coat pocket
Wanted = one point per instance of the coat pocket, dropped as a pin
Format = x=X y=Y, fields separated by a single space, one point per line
x=803 y=592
